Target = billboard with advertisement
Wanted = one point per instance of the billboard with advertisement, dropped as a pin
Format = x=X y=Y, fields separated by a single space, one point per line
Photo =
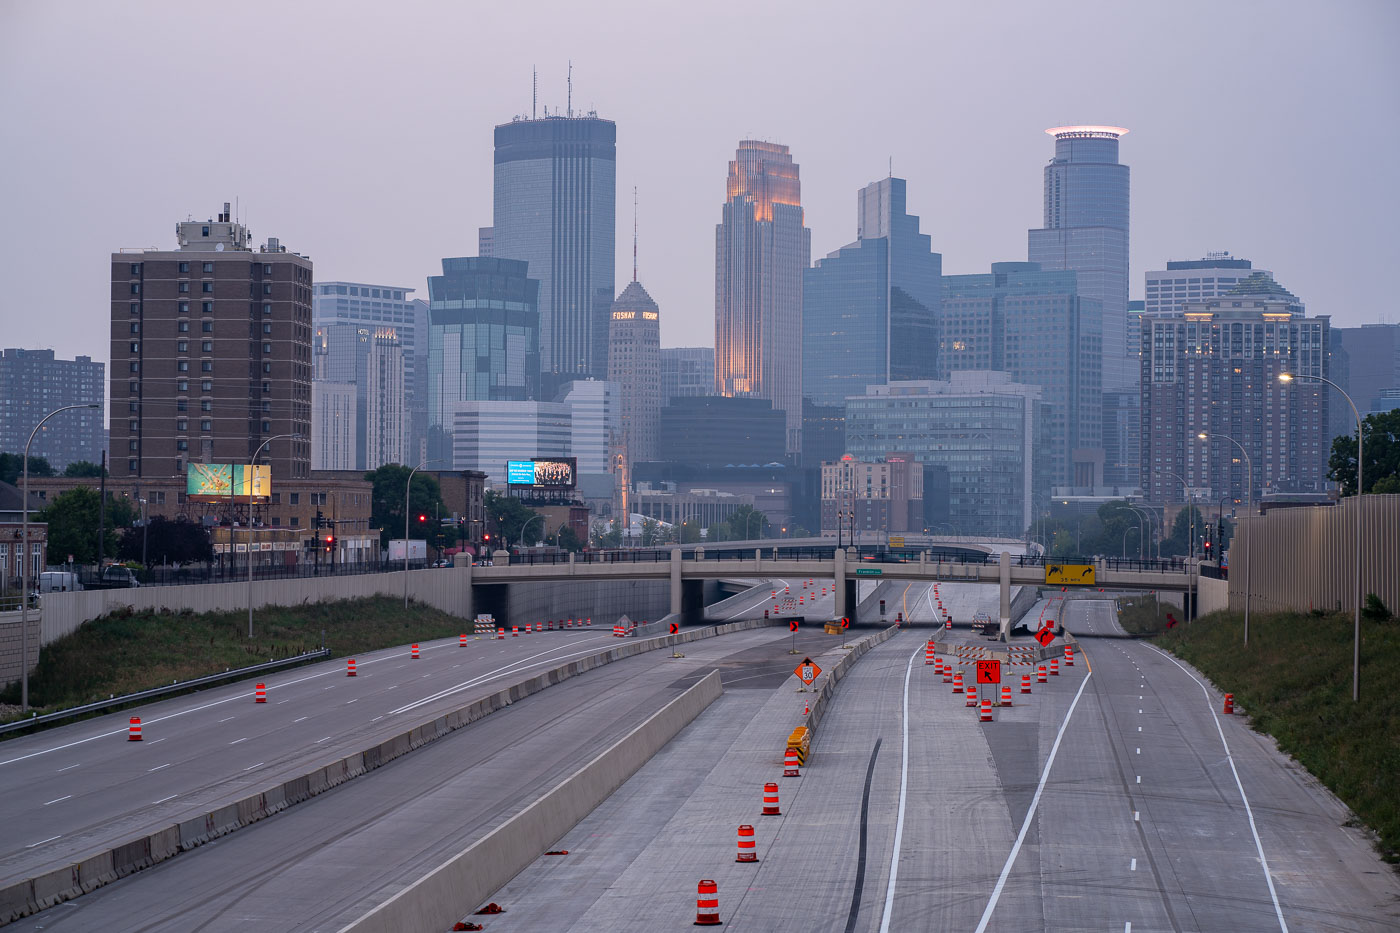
x=210 y=482
x=558 y=473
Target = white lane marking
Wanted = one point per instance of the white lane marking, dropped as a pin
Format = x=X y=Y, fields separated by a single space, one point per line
x=1136 y=818
x=295 y=721
x=69 y=768
x=158 y=767
x=42 y=841
x=251 y=767
x=326 y=739
x=230 y=719
x=236 y=741
x=357 y=699
x=1139 y=779
x=1132 y=866
x=158 y=741
x=164 y=799
x=903 y=790
x=59 y=799
x=1139 y=728
x=394 y=687
x=280 y=702
x=1030 y=814
x=1137 y=751
x=1128 y=927
x=1258 y=845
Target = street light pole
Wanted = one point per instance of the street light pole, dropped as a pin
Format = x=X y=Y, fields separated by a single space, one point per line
x=1191 y=546
x=408 y=488
x=1360 y=491
x=145 y=525
x=1248 y=499
x=252 y=472
x=24 y=558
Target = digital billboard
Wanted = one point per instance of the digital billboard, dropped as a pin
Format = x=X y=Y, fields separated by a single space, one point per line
x=542 y=474
x=207 y=482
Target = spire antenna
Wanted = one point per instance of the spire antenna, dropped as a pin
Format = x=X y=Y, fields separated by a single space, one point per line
x=570 y=111
x=534 y=92
x=634 y=233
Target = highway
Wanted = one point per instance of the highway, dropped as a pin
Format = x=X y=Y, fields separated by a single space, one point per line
x=74 y=789
x=1154 y=814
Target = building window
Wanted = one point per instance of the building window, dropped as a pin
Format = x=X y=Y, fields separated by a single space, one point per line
x=135 y=366
x=207 y=307
x=183 y=327
x=207 y=346
x=266 y=426
x=134 y=387
x=206 y=366
x=135 y=288
x=207 y=287
x=294 y=498
x=204 y=230
x=182 y=404
x=182 y=366
x=207 y=385
x=136 y=327
x=182 y=425
x=182 y=346
x=276 y=498
x=295 y=521
x=133 y=444
x=208 y=327
x=206 y=425
x=133 y=407
x=182 y=444
x=135 y=308
x=267 y=367
x=184 y=307
x=208 y=267
x=184 y=287
x=182 y=385
x=135 y=346
x=267 y=348
x=267 y=309
x=267 y=269
x=184 y=268
x=206 y=405
x=267 y=327
x=135 y=268
x=131 y=466
x=276 y=521
x=267 y=387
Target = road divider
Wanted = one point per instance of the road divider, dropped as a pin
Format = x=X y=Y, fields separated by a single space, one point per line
x=454 y=888
x=25 y=896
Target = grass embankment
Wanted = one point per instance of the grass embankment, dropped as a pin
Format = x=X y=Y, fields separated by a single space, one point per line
x=1143 y=615
x=133 y=651
x=1295 y=680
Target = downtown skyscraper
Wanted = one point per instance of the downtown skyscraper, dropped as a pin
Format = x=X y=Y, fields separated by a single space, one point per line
x=762 y=248
x=555 y=208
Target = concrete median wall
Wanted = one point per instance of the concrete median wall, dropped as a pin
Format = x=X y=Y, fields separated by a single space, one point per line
x=38 y=892
x=462 y=884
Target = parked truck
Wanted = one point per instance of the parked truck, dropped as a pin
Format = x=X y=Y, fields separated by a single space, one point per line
x=417 y=550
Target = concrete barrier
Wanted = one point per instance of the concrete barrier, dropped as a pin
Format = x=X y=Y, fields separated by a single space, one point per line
x=38 y=892
x=463 y=883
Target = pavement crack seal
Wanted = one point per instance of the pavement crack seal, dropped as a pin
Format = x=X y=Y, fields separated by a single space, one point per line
x=1030 y=813
x=903 y=791
x=864 y=829
x=30 y=895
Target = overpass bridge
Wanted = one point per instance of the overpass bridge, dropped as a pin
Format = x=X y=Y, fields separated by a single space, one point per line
x=688 y=570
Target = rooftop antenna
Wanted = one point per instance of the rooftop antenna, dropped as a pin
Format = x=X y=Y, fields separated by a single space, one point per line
x=891 y=166
x=634 y=233
x=534 y=92
x=570 y=111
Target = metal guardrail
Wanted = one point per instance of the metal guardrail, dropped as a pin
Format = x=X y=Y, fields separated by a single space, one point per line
x=162 y=691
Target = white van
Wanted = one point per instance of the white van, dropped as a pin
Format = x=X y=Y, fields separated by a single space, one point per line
x=58 y=581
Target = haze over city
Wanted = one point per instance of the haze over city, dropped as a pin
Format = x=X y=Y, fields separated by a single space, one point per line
x=360 y=134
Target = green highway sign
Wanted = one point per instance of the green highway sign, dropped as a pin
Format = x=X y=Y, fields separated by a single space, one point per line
x=868 y=571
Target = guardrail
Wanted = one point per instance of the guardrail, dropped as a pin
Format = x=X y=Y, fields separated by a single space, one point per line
x=162 y=691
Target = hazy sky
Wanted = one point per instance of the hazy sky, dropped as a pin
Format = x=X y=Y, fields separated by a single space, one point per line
x=361 y=133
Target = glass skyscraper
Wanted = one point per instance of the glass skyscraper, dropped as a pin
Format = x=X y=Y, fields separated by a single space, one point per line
x=762 y=248
x=1086 y=230
x=483 y=338
x=1036 y=326
x=870 y=309
x=555 y=207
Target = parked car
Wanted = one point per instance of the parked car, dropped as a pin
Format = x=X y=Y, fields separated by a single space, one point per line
x=442 y=562
x=58 y=581
x=119 y=576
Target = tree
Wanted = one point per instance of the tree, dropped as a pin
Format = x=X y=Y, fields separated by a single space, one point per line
x=73 y=521
x=719 y=531
x=747 y=523
x=386 y=503
x=690 y=532
x=651 y=532
x=611 y=538
x=12 y=467
x=167 y=542
x=508 y=517
x=1382 y=447
x=83 y=468
x=1178 y=542
x=569 y=539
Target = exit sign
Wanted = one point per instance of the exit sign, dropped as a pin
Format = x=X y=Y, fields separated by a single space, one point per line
x=868 y=571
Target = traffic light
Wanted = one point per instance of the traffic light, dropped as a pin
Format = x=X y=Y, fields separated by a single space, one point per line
x=320 y=521
x=330 y=543
x=422 y=518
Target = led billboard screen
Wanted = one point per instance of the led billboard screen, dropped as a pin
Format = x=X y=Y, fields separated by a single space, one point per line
x=205 y=482
x=542 y=474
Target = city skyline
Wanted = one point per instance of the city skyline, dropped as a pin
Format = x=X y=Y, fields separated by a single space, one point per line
x=976 y=200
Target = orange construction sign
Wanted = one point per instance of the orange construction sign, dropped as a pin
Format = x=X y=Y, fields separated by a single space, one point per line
x=807 y=671
x=989 y=672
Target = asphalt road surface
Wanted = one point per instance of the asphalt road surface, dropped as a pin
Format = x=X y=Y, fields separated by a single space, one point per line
x=1155 y=813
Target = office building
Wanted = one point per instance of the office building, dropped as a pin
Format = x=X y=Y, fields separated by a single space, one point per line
x=335 y=425
x=686 y=372
x=486 y=242
x=1366 y=363
x=870 y=309
x=34 y=383
x=1213 y=367
x=634 y=366
x=372 y=359
x=717 y=430
x=487 y=434
x=823 y=432
x=1036 y=325
x=980 y=428
x=1086 y=231
x=483 y=339
x=762 y=248
x=881 y=497
x=594 y=418
x=1194 y=280
x=380 y=307
x=554 y=208
x=211 y=354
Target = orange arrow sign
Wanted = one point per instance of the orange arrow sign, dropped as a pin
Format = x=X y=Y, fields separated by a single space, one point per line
x=807 y=671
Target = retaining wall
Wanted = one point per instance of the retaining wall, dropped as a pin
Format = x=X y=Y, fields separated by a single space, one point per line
x=462 y=884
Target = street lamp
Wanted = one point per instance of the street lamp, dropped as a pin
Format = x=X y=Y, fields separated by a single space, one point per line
x=1360 y=488
x=253 y=472
x=408 y=488
x=24 y=559
x=520 y=541
x=1248 y=499
x=145 y=526
x=1191 y=530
